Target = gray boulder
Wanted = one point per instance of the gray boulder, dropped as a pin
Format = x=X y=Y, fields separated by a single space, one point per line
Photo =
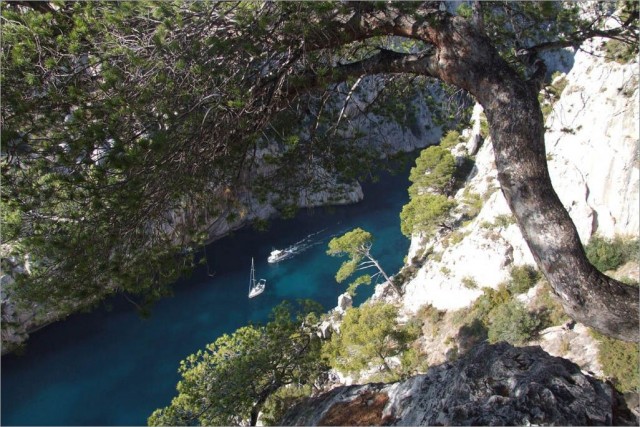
x=490 y=385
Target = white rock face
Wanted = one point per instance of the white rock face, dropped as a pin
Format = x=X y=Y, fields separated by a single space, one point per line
x=417 y=129
x=344 y=302
x=573 y=343
x=592 y=145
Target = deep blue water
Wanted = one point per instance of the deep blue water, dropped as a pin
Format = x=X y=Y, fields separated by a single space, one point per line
x=112 y=367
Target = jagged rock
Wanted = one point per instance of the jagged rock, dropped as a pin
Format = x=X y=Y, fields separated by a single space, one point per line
x=325 y=330
x=344 y=302
x=574 y=342
x=491 y=385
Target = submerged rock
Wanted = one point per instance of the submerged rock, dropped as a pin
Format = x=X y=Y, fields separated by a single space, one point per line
x=491 y=385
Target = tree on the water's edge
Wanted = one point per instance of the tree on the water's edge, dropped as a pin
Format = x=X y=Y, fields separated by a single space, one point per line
x=231 y=379
x=356 y=244
x=129 y=126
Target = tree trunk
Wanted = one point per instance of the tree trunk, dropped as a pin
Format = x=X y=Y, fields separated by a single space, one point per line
x=386 y=278
x=467 y=59
x=259 y=403
x=463 y=56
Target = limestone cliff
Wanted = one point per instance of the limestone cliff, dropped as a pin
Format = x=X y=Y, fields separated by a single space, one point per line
x=592 y=145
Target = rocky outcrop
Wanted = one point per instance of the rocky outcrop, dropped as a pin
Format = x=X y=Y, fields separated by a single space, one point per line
x=491 y=385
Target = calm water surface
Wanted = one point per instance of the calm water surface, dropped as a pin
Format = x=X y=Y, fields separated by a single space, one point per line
x=112 y=367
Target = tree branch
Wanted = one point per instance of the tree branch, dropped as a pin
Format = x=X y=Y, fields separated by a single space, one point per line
x=384 y=62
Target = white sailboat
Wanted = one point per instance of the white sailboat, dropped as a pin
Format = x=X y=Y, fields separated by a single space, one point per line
x=255 y=288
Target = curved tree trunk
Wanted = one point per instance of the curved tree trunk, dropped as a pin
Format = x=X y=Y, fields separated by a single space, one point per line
x=466 y=58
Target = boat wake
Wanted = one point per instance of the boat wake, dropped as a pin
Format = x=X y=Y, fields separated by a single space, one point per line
x=311 y=240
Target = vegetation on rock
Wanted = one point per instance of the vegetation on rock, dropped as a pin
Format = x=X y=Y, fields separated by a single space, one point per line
x=370 y=336
x=512 y=322
x=620 y=361
x=425 y=213
x=523 y=278
x=608 y=254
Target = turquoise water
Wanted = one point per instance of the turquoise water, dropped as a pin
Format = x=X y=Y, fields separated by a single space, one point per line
x=112 y=367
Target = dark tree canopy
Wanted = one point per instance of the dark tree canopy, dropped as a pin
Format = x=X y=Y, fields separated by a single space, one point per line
x=128 y=128
x=230 y=381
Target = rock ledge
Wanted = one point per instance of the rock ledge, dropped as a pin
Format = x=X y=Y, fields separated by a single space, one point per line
x=491 y=385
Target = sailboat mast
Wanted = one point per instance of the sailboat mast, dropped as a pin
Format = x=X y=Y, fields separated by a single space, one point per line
x=251 y=276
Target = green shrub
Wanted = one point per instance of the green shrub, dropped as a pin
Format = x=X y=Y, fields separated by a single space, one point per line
x=451 y=139
x=504 y=220
x=434 y=171
x=488 y=301
x=523 y=278
x=557 y=87
x=608 y=254
x=424 y=213
x=549 y=309
x=469 y=283
x=369 y=336
x=484 y=126
x=473 y=202
x=455 y=238
x=621 y=52
x=619 y=360
x=463 y=170
x=281 y=401
x=546 y=109
x=429 y=314
x=470 y=334
x=512 y=322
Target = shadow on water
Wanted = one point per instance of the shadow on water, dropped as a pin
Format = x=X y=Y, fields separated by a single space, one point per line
x=112 y=367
